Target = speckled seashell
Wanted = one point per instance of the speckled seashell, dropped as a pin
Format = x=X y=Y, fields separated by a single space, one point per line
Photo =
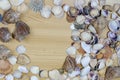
x=85 y=36
x=94 y=3
x=22 y=8
x=86 y=47
x=16 y=2
x=79 y=4
x=58 y=2
x=5 y=35
x=22 y=30
x=12 y=60
x=85 y=61
x=17 y=74
x=36 y=5
x=9 y=77
x=58 y=11
x=108 y=7
x=5 y=67
x=80 y=19
x=46 y=12
x=94 y=13
x=4 y=5
x=10 y=16
x=85 y=71
x=23 y=59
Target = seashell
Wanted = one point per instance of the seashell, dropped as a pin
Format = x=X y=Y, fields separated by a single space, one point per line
x=23 y=59
x=104 y=13
x=79 y=4
x=102 y=2
x=74 y=74
x=85 y=71
x=114 y=15
x=46 y=12
x=79 y=26
x=71 y=50
x=4 y=52
x=76 y=45
x=99 y=56
x=109 y=62
x=81 y=50
x=16 y=2
x=5 y=35
x=22 y=8
x=93 y=63
x=9 y=77
x=78 y=59
x=21 y=31
x=93 y=76
x=76 y=78
x=5 y=5
x=54 y=75
x=43 y=74
x=34 y=69
x=73 y=12
x=17 y=74
x=112 y=36
x=98 y=46
x=108 y=7
x=86 y=47
x=12 y=60
x=36 y=5
x=94 y=3
x=72 y=26
x=66 y=7
x=75 y=33
x=101 y=64
x=5 y=67
x=80 y=19
x=34 y=78
x=94 y=13
x=69 y=64
x=21 y=49
x=2 y=76
x=84 y=77
x=86 y=10
x=85 y=36
x=58 y=11
x=23 y=69
x=112 y=72
x=58 y=2
x=92 y=29
x=75 y=38
x=70 y=18
x=116 y=7
x=25 y=77
x=85 y=61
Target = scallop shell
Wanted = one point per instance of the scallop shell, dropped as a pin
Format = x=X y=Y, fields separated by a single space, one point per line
x=21 y=31
x=22 y=8
x=16 y=2
x=4 y=5
x=5 y=67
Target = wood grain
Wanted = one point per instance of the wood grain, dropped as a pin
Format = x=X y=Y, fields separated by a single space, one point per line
x=48 y=40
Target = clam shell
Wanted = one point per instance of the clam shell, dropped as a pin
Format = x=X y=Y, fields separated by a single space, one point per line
x=85 y=36
x=98 y=46
x=16 y=2
x=85 y=71
x=43 y=74
x=74 y=74
x=4 y=5
x=85 y=61
x=94 y=13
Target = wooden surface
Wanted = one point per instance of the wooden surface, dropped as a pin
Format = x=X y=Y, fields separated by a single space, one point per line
x=48 y=40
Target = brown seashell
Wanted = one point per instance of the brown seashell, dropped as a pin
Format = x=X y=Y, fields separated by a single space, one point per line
x=81 y=51
x=73 y=12
x=5 y=67
x=10 y=16
x=69 y=64
x=112 y=72
x=21 y=31
x=5 y=35
x=99 y=56
x=23 y=59
x=70 y=19
x=4 y=52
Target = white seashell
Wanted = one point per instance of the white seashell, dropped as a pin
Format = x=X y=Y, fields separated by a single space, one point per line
x=75 y=33
x=71 y=50
x=34 y=78
x=80 y=19
x=79 y=4
x=43 y=74
x=12 y=60
x=58 y=11
x=94 y=3
x=17 y=74
x=2 y=76
x=102 y=2
x=58 y=2
x=85 y=71
x=93 y=63
x=72 y=26
x=85 y=36
x=23 y=69
x=46 y=12
x=34 y=69
x=98 y=46
x=84 y=77
x=78 y=59
x=74 y=74
x=85 y=61
x=86 y=47
x=101 y=64
x=92 y=29
x=54 y=75
x=9 y=77
x=104 y=13
x=114 y=15
x=66 y=8
x=21 y=49
x=4 y=5
x=16 y=2
x=109 y=62
x=22 y=8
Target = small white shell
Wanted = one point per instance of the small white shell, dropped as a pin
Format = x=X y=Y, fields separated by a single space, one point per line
x=34 y=69
x=34 y=78
x=85 y=61
x=66 y=8
x=72 y=26
x=85 y=71
x=17 y=74
x=16 y=2
x=80 y=19
x=79 y=4
x=21 y=49
x=98 y=46
x=44 y=74
x=86 y=47
x=74 y=74
x=9 y=77
x=94 y=3
x=22 y=8
x=4 y=5
x=75 y=33
x=2 y=76
x=92 y=29
x=85 y=36
x=23 y=69
x=54 y=75
x=93 y=63
x=94 y=13
x=101 y=64
x=71 y=50
x=113 y=26
x=114 y=15
x=46 y=12
x=58 y=2
x=78 y=59
x=12 y=60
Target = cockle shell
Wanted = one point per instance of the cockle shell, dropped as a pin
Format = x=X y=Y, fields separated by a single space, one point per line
x=16 y=2
x=58 y=2
x=4 y=5
x=5 y=67
x=5 y=35
x=9 y=77
x=22 y=30
x=85 y=71
x=22 y=8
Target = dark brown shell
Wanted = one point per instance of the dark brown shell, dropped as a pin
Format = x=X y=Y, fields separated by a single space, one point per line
x=5 y=35
x=10 y=16
x=69 y=64
x=21 y=31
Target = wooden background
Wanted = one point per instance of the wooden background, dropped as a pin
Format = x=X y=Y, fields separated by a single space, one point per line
x=49 y=38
